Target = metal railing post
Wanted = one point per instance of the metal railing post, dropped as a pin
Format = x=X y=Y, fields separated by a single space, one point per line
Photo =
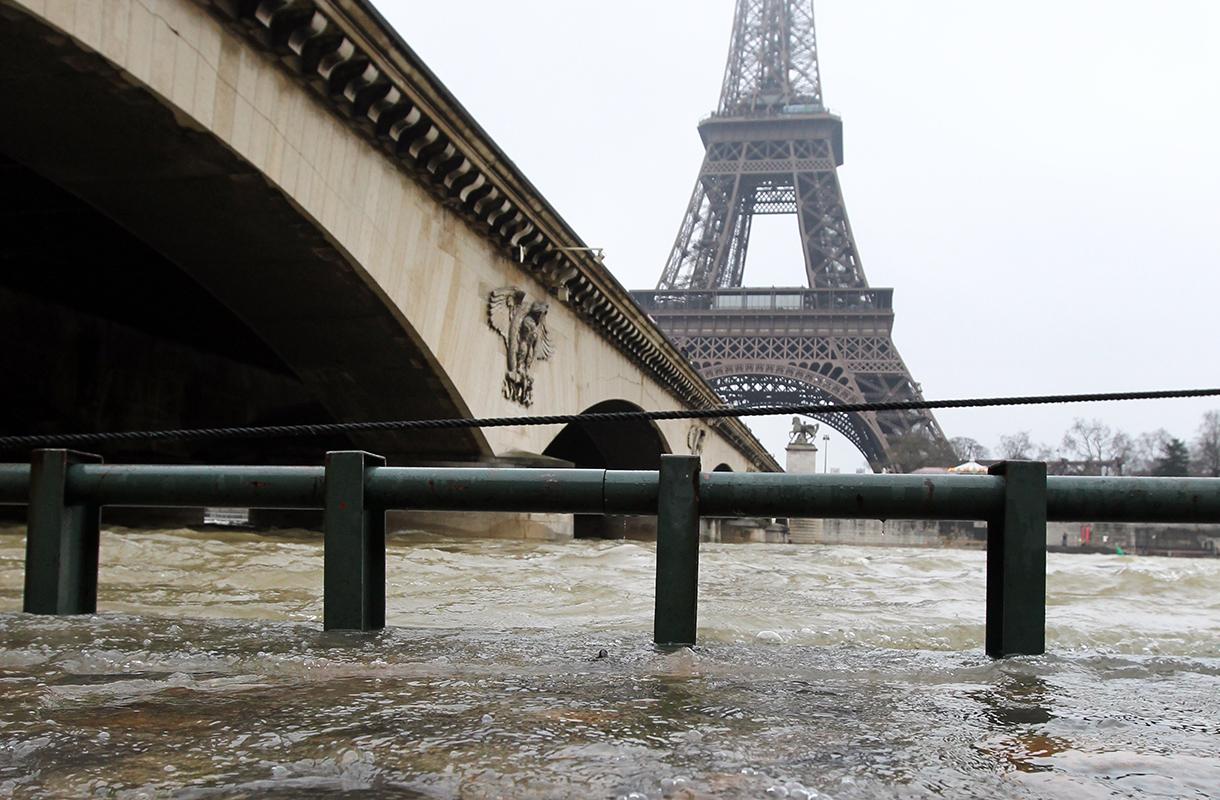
x=677 y=552
x=61 y=540
x=1016 y=563
x=353 y=594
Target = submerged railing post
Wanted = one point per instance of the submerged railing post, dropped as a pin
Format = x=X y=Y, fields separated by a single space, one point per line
x=677 y=552
x=1016 y=563
x=353 y=595
x=61 y=539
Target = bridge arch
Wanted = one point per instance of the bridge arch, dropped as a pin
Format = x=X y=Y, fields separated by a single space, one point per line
x=634 y=444
x=230 y=304
x=757 y=384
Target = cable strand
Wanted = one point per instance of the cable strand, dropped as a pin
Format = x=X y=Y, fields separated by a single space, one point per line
x=328 y=429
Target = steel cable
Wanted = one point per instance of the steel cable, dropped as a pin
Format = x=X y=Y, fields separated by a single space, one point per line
x=326 y=429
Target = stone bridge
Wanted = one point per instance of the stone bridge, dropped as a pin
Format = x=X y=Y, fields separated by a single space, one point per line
x=244 y=212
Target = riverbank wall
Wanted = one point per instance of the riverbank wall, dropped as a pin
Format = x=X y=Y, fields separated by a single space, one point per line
x=1110 y=537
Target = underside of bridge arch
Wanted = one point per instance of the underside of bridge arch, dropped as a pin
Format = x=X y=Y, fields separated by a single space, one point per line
x=635 y=444
x=150 y=278
x=760 y=389
x=611 y=445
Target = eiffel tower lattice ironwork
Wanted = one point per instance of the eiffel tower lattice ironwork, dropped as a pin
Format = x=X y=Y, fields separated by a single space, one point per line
x=773 y=148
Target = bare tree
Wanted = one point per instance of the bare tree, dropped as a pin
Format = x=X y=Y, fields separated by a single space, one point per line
x=1145 y=450
x=1046 y=453
x=1207 y=446
x=1019 y=446
x=1088 y=440
x=968 y=449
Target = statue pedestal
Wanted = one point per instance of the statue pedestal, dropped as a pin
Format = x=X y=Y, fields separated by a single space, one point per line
x=803 y=460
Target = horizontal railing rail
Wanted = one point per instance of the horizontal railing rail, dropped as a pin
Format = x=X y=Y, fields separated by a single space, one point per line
x=65 y=492
x=599 y=491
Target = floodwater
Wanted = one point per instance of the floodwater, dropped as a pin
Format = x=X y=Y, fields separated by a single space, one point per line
x=830 y=672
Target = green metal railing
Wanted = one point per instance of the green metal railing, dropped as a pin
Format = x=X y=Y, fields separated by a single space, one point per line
x=65 y=491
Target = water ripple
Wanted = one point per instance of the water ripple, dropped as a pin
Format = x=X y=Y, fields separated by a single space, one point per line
x=822 y=672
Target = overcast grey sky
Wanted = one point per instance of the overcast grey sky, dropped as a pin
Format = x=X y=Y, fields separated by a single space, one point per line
x=1038 y=181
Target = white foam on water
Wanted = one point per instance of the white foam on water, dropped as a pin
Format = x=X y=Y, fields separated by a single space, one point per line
x=821 y=672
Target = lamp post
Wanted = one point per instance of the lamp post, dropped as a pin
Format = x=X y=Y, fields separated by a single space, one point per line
x=825 y=453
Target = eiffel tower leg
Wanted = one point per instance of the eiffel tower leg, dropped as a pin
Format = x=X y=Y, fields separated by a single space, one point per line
x=828 y=244
x=910 y=438
x=710 y=235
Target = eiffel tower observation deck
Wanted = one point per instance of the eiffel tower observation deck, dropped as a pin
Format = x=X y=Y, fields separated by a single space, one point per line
x=772 y=147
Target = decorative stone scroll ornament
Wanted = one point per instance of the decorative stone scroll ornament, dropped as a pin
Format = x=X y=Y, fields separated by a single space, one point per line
x=694 y=439
x=522 y=326
x=802 y=432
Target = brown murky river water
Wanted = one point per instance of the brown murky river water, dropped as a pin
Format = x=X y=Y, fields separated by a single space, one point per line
x=830 y=672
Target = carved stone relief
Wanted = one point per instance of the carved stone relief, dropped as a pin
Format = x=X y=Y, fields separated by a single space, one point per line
x=522 y=325
x=694 y=439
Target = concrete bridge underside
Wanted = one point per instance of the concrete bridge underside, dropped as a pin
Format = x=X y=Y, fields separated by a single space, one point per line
x=194 y=238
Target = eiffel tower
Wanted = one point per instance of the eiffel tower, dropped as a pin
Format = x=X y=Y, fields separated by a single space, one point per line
x=772 y=148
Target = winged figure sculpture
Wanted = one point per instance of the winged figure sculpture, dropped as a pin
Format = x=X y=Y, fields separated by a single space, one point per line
x=522 y=326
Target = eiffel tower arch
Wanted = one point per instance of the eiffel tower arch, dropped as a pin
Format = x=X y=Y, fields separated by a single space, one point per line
x=772 y=147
